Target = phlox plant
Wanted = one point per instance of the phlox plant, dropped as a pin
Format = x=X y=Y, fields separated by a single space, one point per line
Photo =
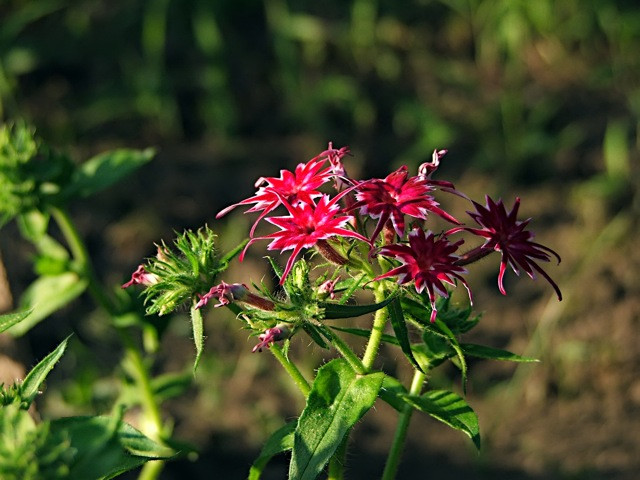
x=340 y=248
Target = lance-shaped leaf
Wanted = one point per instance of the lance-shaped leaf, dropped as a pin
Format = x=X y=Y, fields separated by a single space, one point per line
x=351 y=285
x=393 y=392
x=451 y=409
x=36 y=376
x=106 y=169
x=402 y=333
x=338 y=399
x=365 y=333
x=336 y=310
x=315 y=333
x=46 y=295
x=453 y=341
x=280 y=441
x=198 y=335
x=482 y=351
x=106 y=448
x=430 y=354
x=10 y=319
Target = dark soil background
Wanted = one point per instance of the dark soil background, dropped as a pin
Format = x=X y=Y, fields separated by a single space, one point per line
x=539 y=100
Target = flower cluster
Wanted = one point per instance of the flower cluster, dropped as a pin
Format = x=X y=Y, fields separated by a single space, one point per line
x=336 y=226
x=427 y=259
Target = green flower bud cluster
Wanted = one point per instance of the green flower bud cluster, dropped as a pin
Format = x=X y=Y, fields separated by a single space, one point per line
x=31 y=174
x=181 y=273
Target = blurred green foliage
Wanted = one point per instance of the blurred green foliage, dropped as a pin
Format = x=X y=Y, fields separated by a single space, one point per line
x=523 y=89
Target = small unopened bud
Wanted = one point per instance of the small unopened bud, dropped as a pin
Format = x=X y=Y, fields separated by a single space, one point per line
x=427 y=168
x=270 y=336
x=327 y=289
x=141 y=277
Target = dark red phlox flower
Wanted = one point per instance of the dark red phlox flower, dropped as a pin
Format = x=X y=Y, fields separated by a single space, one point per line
x=427 y=261
x=506 y=234
x=396 y=196
x=300 y=186
x=306 y=225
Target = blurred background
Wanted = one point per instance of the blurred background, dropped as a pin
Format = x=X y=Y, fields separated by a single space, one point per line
x=538 y=99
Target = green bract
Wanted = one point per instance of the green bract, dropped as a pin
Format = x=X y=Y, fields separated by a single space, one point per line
x=189 y=269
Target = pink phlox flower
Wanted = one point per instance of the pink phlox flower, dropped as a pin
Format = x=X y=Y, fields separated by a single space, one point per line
x=306 y=224
x=396 y=196
x=428 y=262
x=141 y=277
x=506 y=234
x=270 y=336
x=300 y=186
x=224 y=292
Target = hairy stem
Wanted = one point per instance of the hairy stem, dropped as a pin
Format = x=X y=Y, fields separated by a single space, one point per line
x=400 y=436
x=346 y=352
x=291 y=369
x=379 y=322
x=337 y=462
x=133 y=359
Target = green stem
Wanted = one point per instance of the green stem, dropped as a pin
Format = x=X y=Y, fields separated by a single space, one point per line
x=393 y=460
x=379 y=322
x=336 y=464
x=134 y=360
x=346 y=352
x=291 y=369
x=81 y=256
x=140 y=374
x=153 y=425
x=151 y=470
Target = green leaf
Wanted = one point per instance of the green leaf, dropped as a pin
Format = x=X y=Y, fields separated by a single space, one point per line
x=335 y=310
x=453 y=341
x=170 y=385
x=198 y=335
x=482 y=351
x=280 y=441
x=429 y=358
x=430 y=354
x=363 y=332
x=338 y=399
x=231 y=254
x=105 y=452
x=393 y=392
x=402 y=333
x=46 y=295
x=106 y=169
x=351 y=284
x=315 y=333
x=449 y=408
x=36 y=376
x=276 y=268
x=10 y=319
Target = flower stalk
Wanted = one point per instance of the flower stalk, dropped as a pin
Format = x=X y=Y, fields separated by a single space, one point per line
x=400 y=436
x=291 y=369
